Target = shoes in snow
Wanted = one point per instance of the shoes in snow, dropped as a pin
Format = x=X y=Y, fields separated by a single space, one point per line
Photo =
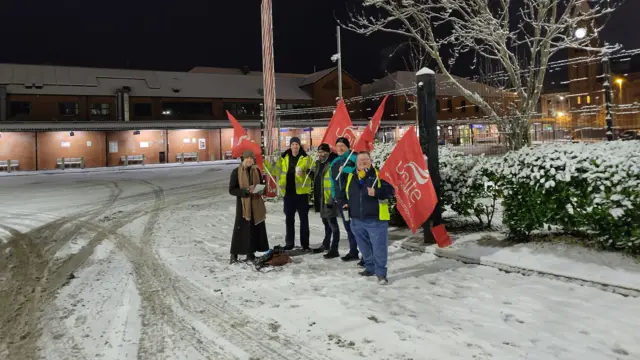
x=361 y=263
x=307 y=250
x=331 y=254
x=233 y=259
x=319 y=250
x=288 y=247
x=366 y=273
x=350 y=257
x=250 y=258
x=382 y=280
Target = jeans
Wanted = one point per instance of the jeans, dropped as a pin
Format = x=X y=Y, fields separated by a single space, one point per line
x=300 y=204
x=373 y=242
x=353 y=245
x=331 y=228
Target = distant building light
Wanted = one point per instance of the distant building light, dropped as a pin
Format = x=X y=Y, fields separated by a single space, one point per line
x=166 y=112
x=560 y=114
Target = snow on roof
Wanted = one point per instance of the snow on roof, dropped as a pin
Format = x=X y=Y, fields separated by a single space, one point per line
x=81 y=81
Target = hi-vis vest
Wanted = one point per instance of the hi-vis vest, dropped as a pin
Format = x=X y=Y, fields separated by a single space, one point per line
x=326 y=183
x=302 y=187
x=383 y=205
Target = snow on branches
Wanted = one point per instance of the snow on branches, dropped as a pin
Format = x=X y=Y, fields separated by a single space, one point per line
x=517 y=36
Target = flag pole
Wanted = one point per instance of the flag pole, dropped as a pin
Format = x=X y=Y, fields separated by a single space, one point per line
x=345 y=163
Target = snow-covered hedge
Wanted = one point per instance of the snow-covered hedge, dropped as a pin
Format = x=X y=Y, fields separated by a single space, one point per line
x=577 y=187
x=468 y=183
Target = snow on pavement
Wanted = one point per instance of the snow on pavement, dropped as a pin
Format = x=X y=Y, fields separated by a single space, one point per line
x=557 y=259
x=153 y=282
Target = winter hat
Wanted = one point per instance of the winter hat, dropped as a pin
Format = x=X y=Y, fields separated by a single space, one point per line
x=344 y=141
x=324 y=147
x=248 y=154
x=295 y=139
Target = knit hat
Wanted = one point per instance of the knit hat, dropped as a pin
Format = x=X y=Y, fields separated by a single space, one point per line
x=295 y=139
x=344 y=141
x=248 y=154
x=324 y=147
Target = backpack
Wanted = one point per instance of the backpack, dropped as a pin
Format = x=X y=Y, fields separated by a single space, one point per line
x=273 y=257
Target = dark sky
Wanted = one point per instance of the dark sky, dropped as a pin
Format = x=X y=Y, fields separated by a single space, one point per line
x=178 y=35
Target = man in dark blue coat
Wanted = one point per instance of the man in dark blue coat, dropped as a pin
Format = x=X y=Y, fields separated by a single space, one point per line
x=368 y=199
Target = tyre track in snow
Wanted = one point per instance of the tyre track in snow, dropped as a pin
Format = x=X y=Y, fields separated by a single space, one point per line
x=34 y=279
x=175 y=310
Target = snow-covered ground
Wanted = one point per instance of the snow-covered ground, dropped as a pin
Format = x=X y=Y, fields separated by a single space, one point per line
x=134 y=265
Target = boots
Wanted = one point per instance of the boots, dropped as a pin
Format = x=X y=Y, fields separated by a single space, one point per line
x=233 y=259
x=251 y=257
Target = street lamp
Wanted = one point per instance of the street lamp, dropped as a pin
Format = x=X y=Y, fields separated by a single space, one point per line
x=580 y=33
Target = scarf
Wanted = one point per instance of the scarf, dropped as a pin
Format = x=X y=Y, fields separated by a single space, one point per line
x=253 y=204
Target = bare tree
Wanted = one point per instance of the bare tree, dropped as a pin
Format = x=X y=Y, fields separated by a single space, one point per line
x=518 y=35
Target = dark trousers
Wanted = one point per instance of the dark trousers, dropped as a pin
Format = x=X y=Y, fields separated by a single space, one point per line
x=300 y=204
x=331 y=228
x=353 y=245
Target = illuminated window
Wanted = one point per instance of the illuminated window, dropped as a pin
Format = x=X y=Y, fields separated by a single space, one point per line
x=588 y=99
x=579 y=100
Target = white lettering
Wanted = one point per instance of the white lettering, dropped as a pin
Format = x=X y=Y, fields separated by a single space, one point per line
x=407 y=185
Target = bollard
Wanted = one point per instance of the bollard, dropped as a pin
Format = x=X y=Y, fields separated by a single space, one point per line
x=82 y=162
x=8 y=165
x=126 y=160
x=182 y=158
x=62 y=163
x=198 y=157
x=144 y=157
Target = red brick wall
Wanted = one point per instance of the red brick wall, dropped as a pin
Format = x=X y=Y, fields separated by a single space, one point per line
x=87 y=144
x=19 y=146
x=129 y=144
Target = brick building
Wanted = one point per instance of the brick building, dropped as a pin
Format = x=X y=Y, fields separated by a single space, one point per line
x=460 y=122
x=107 y=117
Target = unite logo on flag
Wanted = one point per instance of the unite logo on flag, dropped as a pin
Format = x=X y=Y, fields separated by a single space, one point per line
x=349 y=133
x=406 y=170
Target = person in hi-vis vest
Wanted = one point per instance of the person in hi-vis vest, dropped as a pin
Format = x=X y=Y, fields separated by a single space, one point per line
x=368 y=200
x=293 y=167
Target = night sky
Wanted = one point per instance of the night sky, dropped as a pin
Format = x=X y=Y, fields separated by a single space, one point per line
x=178 y=35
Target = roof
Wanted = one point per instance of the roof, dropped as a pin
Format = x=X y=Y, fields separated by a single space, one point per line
x=407 y=79
x=81 y=81
x=233 y=71
x=318 y=75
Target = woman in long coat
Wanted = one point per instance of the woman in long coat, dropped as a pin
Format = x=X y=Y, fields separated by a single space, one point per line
x=249 y=230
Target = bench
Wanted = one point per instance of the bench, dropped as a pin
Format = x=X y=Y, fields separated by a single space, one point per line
x=9 y=165
x=63 y=162
x=181 y=157
x=126 y=159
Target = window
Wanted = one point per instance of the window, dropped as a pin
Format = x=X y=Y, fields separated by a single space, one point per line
x=450 y=105
x=463 y=105
x=187 y=108
x=437 y=105
x=142 y=109
x=100 y=109
x=244 y=109
x=588 y=99
x=579 y=100
x=17 y=108
x=69 y=108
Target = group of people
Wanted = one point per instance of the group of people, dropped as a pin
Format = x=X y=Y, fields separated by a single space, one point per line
x=343 y=184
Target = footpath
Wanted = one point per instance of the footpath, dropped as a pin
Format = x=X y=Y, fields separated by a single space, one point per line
x=608 y=271
x=118 y=168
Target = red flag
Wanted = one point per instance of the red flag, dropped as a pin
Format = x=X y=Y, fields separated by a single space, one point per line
x=406 y=169
x=241 y=142
x=339 y=126
x=368 y=136
x=442 y=236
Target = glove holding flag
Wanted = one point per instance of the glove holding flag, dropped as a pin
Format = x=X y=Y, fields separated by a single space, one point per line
x=406 y=170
